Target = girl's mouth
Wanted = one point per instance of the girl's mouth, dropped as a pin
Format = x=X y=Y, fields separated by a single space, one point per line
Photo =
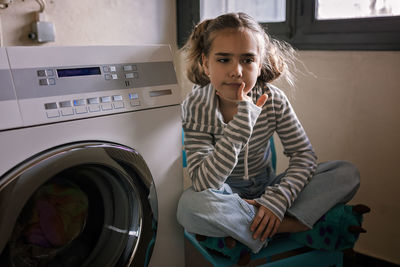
x=235 y=85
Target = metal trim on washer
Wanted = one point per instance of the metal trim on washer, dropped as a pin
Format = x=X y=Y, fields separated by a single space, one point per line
x=27 y=177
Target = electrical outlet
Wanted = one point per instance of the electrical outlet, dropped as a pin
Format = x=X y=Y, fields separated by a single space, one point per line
x=43 y=31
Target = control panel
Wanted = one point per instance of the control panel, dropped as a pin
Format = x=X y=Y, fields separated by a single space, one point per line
x=52 y=84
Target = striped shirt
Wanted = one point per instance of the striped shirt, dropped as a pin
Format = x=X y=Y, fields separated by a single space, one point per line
x=216 y=150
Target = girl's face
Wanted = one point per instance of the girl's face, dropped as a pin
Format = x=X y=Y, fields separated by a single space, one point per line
x=234 y=58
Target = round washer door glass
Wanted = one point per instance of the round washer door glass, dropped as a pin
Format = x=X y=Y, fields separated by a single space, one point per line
x=85 y=204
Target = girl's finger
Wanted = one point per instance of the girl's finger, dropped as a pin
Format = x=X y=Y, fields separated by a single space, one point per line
x=240 y=93
x=276 y=226
x=257 y=220
x=252 y=202
x=263 y=226
x=268 y=230
x=254 y=224
x=262 y=100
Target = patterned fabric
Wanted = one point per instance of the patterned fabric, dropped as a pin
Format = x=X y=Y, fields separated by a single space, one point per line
x=219 y=244
x=333 y=231
x=216 y=150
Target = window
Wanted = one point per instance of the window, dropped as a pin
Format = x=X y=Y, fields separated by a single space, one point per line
x=332 y=9
x=308 y=24
x=262 y=10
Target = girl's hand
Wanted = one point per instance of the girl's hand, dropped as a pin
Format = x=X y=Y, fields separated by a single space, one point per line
x=265 y=223
x=242 y=95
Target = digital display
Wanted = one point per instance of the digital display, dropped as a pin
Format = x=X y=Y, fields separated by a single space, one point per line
x=160 y=92
x=78 y=72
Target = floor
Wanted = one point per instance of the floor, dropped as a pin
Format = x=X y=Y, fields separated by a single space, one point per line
x=350 y=259
x=353 y=259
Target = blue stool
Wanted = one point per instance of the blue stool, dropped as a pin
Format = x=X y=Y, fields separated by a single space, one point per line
x=275 y=247
x=278 y=245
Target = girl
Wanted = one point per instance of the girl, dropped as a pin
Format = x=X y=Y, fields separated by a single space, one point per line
x=228 y=120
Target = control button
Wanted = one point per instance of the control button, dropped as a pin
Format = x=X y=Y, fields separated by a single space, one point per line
x=94 y=108
x=114 y=76
x=52 y=81
x=118 y=105
x=117 y=97
x=129 y=75
x=113 y=69
x=65 y=104
x=81 y=110
x=106 y=69
x=44 y=73
x=93 y=100
x=128 y=68
x=52 y=114
x=67 y=111
x=106 y=106
x=135 y=103
x=136 y=75
x=107 y=76
x=134 y=96
x=41 y=73
x=134 y=68
x=50 y=105
x=79 y=102
x=50 y=72
x=105 y=99
x=43 y=82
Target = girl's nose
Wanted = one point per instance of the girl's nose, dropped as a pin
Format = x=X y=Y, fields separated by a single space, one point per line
x=236 y=71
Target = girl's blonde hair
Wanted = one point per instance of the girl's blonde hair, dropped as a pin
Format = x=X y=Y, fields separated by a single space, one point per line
x=276 y=56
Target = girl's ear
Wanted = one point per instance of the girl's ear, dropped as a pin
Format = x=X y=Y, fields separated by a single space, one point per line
x=204 y=61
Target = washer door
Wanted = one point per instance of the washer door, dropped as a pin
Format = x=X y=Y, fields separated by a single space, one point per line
x=83 y=204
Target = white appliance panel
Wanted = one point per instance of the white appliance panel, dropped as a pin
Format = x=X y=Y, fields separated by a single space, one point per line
x=140 y=111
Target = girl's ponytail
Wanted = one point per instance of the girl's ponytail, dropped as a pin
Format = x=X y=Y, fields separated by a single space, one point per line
x=278 y=60
x=194 y=48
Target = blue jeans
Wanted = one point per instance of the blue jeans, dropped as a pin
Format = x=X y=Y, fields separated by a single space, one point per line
x=223 y=212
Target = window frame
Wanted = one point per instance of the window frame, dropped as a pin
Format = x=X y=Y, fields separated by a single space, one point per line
x=305 y=32
x=188 y=15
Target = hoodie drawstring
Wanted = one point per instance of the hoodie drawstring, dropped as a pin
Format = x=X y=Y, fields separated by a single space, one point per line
x=246 y=152
x=246 y=169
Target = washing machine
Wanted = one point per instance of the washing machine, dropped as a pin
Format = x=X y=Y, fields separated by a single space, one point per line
x=91 y=164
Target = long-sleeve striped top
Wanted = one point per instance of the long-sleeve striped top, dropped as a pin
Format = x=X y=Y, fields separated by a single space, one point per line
x=216 y=150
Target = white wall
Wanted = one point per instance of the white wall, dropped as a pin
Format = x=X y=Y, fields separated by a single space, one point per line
x=91 y=22
x=350 y=109
x=349 y=106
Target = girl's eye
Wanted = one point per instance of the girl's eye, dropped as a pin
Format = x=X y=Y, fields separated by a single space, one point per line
x=222 y=60
x=248 y=60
